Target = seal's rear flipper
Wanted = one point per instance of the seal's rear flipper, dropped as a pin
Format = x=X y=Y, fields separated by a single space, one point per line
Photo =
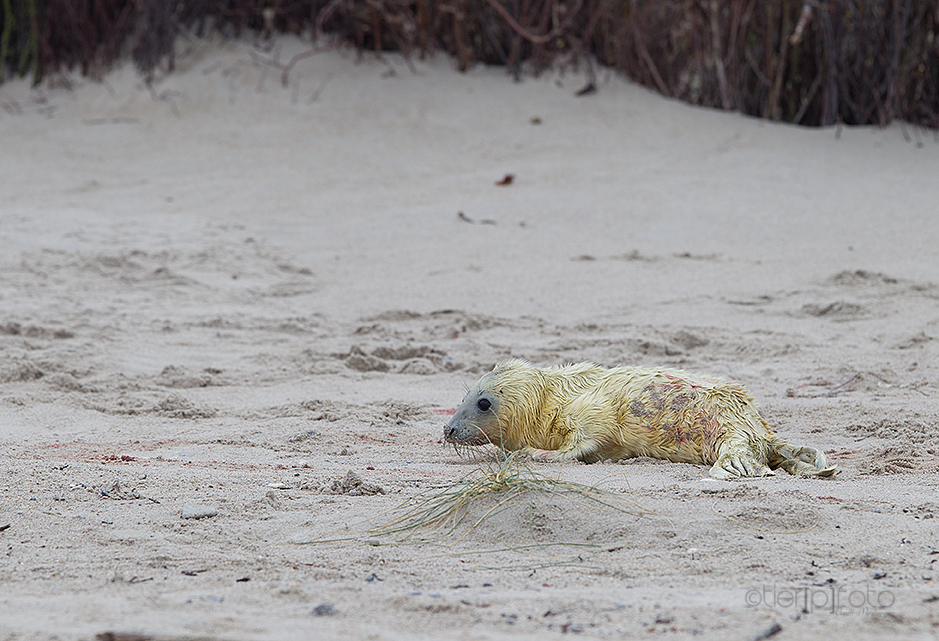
x=803 y=461
x=801 y=468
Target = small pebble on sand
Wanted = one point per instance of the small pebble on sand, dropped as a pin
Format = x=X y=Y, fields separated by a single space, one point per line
x=197 y=512
x=324 y=610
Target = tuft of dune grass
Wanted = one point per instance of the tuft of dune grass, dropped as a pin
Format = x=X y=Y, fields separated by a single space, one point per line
x=506 y=478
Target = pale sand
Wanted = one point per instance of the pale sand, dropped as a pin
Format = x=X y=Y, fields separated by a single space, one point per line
x=233 y=294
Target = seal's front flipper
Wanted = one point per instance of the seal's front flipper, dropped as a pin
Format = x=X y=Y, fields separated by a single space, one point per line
x=584 y=450
x=534 y=454
x=739 y=462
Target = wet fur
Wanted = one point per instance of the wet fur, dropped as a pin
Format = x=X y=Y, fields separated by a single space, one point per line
x=586 y=412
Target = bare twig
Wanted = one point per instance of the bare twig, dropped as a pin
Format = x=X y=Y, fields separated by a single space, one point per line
x=285 y=69
x=646 y=57
x=533 y=37
x=719 y=56
x=324 y=14
x=773 y=110
x=319 y=88
x=834 y=390
x=804 y=18
x=807 y=100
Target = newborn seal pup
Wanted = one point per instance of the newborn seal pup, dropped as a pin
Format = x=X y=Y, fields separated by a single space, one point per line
x=586 y=412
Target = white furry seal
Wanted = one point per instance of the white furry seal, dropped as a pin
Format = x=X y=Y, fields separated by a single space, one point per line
x=586 y=412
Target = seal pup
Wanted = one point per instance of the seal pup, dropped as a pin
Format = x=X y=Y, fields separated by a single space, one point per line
x=590 y=413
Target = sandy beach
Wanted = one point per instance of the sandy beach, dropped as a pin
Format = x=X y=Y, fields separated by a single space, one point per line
x=235 y=315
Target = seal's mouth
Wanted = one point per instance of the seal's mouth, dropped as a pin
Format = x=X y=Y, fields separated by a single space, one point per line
x=460 y=436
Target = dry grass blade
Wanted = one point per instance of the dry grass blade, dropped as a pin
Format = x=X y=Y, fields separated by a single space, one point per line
x=506 y=479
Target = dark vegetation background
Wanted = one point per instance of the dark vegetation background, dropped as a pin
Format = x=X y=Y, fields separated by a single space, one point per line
x=815 y=63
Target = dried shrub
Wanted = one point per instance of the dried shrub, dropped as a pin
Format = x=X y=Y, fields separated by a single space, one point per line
x=815 y=63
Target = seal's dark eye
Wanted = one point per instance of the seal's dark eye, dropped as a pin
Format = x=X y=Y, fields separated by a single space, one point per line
x=483 y=404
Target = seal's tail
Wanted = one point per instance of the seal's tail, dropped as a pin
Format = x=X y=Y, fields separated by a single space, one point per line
x=801 y=461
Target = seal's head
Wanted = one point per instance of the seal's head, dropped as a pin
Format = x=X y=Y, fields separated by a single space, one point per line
x=476 y=421
x=498 y=407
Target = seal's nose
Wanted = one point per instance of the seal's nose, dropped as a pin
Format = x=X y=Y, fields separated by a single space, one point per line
x=448 y=432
